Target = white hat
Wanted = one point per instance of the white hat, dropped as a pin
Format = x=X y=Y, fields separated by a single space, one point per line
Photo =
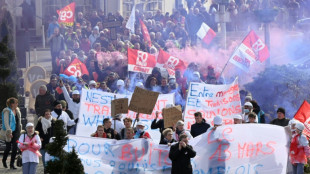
x=180 y=122
x=139 y=84
x=248 y=104
x=300 y=126
x=196 y=73
x=29 y=124
x=238 y=117
x=75 y=92
x=120 y=83
x=140 y=123
x=169 y=105
x=92 y=82
x=218 y=120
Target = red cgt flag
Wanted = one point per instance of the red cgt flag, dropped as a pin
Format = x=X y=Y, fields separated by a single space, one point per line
x=66 y=14
x=303 y=115
x=146 y=35
x=165 y=60
x=76 y=68
x=139 y=61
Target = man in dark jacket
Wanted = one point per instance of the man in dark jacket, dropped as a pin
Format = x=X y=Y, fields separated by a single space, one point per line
x=108 y=131
x=200 y=126
x=180 y=155
x=281 y=120
x=43 y=101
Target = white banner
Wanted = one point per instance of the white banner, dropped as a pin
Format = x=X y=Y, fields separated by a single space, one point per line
x=212 y=100
x=230 y=149
x=96 y=106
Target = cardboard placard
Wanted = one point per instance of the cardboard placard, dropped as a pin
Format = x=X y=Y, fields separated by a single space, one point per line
x=143 y=101
x=119 y=106
x=172 y=115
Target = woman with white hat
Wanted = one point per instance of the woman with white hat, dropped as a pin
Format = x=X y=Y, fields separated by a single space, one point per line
x=180 y=130
x=30 y=144
x=298 y=148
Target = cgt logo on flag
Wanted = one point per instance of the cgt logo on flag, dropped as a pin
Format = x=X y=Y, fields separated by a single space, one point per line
x=76 y=68
x=66 y=14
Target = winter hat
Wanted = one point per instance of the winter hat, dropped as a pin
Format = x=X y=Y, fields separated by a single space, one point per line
x=248 y=104
x=282 y=110
x=196 y=73
x=29 y=124
x=140 y=123
x=248 y=97
x=92 y=82
x=238 y=117
x=218 y=120
x=56 y=102
x=300 y=126
x=120 y=83
x=63 y=103
x=180 y=122
x=75 y=92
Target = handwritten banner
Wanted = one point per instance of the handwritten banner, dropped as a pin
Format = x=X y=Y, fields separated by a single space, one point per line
x=247 y=148
x=96 y=106
x=172 y=115
x=119 y=106
x=143 y=101
x=212 y=100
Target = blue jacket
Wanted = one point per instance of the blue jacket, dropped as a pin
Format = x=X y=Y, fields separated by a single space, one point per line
x=12 y=121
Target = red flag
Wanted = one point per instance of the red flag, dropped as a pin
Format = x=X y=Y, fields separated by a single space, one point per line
x=140 y=61
x=169 y=62
x=146 y=35
x=205 y=33
x=303 y=115
x=66 y=14
x=250 y=50
x=76 y=68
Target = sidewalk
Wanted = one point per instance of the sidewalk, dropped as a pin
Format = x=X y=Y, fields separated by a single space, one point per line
x=40 y=169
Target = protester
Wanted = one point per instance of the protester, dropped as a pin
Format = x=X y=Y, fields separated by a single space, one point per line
x=248 y=107
x=200 y=126
x=30 y=144
x=73 y=103
x=159 y=124
x=127 y=122
x=43 y=101
x=180 y=130
x=99 y=133
x=168 y=139
x=61 y=115
x=45 y=127
x=92 y=84
x=260 y=113
x=217 y=121
x=140 y=132
x=117 y=123
x=57 y=43
x=281 y=120
x=298 y=149
x=252 y=117
x=130 y=133
x=11 y=128
x=108 y=131
x=180 y=154
x=237 y=119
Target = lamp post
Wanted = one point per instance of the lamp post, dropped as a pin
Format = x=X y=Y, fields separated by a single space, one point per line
x=266 y=15
x=222 y=17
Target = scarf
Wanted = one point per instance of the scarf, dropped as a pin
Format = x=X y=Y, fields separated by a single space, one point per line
x=46 y=123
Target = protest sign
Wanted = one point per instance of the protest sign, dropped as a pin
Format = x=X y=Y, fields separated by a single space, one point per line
x=143 y=101
x=172 y=115
x=212 y=100
x=96 y=106
x=119 y=106
x=247 y=148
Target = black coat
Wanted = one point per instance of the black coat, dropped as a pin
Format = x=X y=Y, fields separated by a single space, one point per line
x=181 y=159
x=199 y=128
x=50 y=132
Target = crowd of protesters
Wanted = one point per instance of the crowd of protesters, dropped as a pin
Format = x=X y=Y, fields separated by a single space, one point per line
x=105 y=59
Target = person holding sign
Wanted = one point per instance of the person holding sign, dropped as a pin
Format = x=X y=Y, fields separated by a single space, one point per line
x=59 y=114
x=180 y=155
x=248 y=107
x=140 y=133
x=180 y=130
x=108 y=131
x=299 y=149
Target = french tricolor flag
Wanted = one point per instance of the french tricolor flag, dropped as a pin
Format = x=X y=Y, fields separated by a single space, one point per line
x=205 y=33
